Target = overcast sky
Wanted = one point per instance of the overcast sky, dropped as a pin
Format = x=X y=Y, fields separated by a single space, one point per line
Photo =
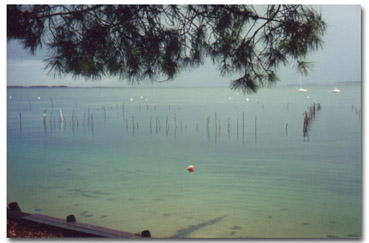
x=338 y=61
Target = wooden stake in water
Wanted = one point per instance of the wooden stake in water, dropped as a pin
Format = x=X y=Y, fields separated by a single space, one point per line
x=229 y=128
x=72 y=124
x=237 y=129
x=73 y=116
x=219 y=128
x=255 y=128
x=175 y=133
x=243 y=127
x=133 y=125
x=215 y=128
x=44 y=119
x=215 y=120
x=150 y=125
x=92 y=124
x=84 y=117
x=61 y=118
x=207 y=127
x=51 y=125
x=20 y=122
x=88 y=117
x=52 y=103
x=286 y=129
x=123 y=110
x=166 y=126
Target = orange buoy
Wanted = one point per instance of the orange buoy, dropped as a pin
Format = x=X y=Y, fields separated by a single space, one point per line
x=190 y=168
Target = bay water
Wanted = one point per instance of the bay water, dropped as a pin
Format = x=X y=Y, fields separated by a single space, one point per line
x=118 y=159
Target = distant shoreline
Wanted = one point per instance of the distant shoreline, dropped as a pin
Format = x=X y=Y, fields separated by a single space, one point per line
x=66 y=86
x=37 y=86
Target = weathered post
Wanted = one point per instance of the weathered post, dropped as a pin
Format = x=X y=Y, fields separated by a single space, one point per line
x=20 y=121
x=150 y=125
x=243 y=127
x=44 y=119
x=52 y=103
x=286 y=129
x=229 y=128
x=255 y=128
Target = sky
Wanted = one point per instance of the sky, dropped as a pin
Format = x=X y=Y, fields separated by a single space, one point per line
x=338 y=61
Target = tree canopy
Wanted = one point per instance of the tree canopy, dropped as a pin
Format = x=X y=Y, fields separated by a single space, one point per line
x=156 y=42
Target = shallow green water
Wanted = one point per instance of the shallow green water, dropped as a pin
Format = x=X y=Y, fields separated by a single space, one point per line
x=272 y=183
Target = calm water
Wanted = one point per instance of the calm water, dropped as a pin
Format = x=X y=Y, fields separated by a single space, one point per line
x=119 y=160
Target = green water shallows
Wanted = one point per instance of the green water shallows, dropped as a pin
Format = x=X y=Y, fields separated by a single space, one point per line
x=118 y=170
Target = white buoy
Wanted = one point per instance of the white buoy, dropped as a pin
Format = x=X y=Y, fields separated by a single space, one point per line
x=39 y=97
x=247 y=99
x=131 y=99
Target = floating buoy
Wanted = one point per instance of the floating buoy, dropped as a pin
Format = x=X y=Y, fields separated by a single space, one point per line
x=190 y=168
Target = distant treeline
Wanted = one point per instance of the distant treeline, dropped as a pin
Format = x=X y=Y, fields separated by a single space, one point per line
x=349 y=83
x=37 y=86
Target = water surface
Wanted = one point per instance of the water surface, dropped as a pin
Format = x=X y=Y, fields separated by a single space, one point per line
x=255 y=174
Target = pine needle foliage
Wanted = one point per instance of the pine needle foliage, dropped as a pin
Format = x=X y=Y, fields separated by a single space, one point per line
x=157 y=42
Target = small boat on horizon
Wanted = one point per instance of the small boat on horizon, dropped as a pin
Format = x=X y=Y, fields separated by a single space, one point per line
x=335 y=90
x=301 y=90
